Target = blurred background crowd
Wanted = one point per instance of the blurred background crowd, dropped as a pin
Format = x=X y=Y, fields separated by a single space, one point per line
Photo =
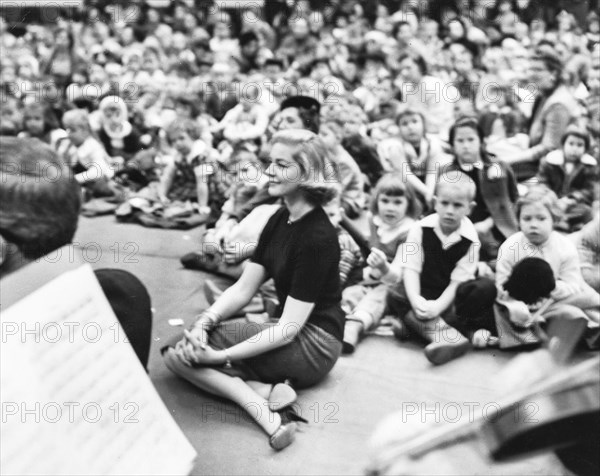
x=143 y=73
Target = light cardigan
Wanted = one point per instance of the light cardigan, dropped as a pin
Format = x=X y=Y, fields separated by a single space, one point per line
x=558 y=251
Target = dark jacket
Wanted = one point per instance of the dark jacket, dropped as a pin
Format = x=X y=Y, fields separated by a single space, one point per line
x=579 y=184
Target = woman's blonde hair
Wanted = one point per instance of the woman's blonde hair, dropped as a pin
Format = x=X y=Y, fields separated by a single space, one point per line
x=319 y=177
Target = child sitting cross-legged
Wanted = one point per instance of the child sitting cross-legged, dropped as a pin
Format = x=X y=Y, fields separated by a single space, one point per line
x=440 y=255
x=394 y=210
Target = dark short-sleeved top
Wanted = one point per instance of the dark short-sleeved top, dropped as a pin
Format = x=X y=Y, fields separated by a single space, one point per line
x=303 y=259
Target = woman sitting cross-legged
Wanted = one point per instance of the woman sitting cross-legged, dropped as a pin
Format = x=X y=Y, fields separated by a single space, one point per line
x=248 y=362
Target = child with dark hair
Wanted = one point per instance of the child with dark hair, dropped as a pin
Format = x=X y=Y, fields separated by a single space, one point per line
x=364 y=153
x=496 y=188
x=571 y=173
x=394 y=208
x=500 y=117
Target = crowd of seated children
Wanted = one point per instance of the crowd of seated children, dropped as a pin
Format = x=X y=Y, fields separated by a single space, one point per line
x=569 y=296
x=192 y=179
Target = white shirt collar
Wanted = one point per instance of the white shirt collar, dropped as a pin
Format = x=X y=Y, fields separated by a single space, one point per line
x=468 y=167
x=466 y=230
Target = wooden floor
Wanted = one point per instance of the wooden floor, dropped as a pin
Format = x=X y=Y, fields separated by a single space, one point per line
x=384 y=377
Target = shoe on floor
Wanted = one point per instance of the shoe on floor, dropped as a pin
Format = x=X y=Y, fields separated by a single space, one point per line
x=284 y=436
x=400 y=330
x=282 y=395
x=439 y=353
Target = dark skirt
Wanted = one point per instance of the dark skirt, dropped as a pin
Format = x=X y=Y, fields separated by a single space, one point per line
x=305 y=361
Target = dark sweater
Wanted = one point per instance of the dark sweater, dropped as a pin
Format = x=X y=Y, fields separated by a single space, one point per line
x=303 y=260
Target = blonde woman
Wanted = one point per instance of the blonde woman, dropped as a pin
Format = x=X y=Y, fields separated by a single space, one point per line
x=246 y=362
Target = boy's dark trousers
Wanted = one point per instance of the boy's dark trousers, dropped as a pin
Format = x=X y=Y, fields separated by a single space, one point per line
x=472 y=310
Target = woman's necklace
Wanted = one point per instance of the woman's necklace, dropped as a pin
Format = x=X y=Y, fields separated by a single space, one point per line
x=291 y=221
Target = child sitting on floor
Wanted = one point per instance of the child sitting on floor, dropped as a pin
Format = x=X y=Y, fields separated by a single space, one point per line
x=571 y=174
x=86 y=157
x=193 y=174
x=440 y=254
x=121 y=140
x=394 y=209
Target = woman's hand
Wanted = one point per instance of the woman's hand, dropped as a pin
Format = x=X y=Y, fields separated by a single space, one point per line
x=199 y=334
x=198 y=352
x=185 y=352
x=378 y=260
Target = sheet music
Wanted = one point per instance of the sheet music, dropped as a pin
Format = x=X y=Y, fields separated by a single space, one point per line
x=75 y=399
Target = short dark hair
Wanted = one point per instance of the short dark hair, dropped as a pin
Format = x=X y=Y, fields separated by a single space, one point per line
x=417 y=59
x=576 y=132
x=308 y=110
x=40 y=199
